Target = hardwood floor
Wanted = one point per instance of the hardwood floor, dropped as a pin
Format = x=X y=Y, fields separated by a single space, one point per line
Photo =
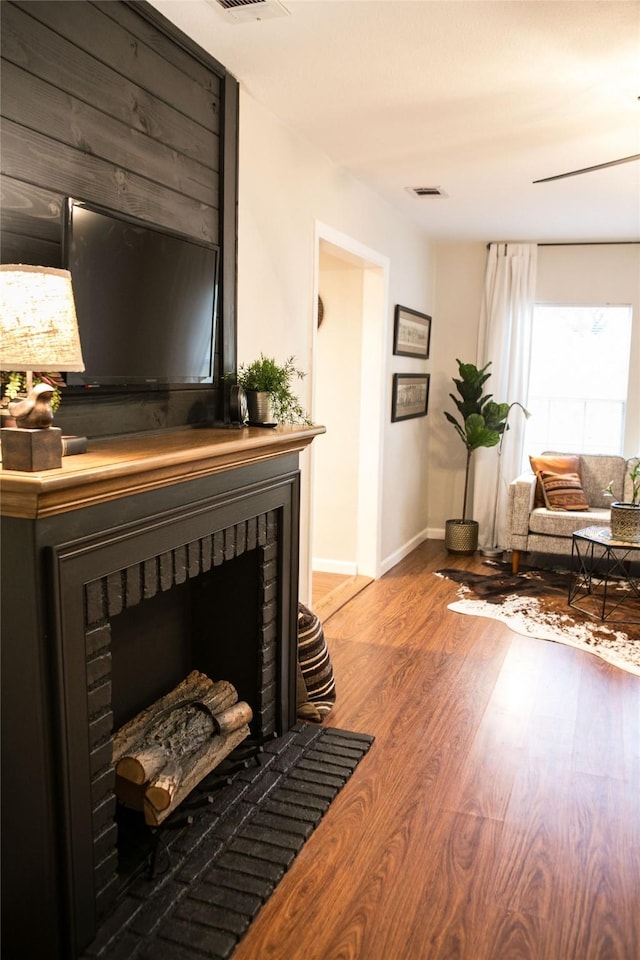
x=497 y=814
x=330 y=592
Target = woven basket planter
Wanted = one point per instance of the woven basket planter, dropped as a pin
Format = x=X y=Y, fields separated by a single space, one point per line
x=625 y=522
x=461 y=536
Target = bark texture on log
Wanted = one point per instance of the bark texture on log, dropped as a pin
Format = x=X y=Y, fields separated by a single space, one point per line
x=170 y=789
x=164 y=751
x=216 y=695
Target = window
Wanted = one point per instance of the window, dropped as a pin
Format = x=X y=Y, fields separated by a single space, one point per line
x=578 y=378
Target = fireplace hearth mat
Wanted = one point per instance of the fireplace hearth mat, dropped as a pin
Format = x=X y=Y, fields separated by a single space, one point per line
x=216 y=862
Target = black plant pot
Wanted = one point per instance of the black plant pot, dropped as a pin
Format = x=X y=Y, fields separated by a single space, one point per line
x=461 y=536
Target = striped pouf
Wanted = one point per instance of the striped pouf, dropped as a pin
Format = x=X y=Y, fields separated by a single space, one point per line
x=316 y=684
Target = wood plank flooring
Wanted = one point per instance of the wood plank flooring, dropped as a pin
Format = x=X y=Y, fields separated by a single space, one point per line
x=497 y=815
x=330 y=592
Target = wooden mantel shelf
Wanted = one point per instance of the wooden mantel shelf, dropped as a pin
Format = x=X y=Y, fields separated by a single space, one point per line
x=122 y=466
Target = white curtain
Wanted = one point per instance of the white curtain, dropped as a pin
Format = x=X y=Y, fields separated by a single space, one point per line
x=504 y=339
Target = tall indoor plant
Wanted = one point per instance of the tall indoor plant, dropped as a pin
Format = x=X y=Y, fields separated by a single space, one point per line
x=481 y=423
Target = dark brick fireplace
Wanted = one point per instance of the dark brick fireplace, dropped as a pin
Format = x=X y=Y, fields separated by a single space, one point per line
x=185 y=562
x=148 y=625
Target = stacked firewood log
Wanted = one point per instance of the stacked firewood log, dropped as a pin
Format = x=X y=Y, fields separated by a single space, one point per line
x=167 y=749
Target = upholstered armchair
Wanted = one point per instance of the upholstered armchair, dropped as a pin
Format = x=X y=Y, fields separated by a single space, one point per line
x=565 y=494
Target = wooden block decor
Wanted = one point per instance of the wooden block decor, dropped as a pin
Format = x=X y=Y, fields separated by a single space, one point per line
x=31 y=450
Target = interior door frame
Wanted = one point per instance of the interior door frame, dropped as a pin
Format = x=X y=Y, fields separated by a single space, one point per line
x=375 y=323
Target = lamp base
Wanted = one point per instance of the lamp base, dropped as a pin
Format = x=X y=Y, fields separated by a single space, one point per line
x=491 y=551
x=31 y=450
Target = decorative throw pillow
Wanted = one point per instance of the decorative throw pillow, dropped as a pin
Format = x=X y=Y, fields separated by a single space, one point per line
x=563 y=491
x=554 y=463
x=316 y=683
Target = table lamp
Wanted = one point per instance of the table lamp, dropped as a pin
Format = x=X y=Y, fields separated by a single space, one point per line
x=38 y=331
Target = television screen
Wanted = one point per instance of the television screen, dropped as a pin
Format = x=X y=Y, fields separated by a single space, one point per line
x=145 y=299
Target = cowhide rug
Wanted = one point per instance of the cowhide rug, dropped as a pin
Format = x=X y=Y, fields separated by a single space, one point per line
x=534 y=603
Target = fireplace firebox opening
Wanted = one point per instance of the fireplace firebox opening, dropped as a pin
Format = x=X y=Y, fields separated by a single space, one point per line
x=209 y=624
x=200 y=609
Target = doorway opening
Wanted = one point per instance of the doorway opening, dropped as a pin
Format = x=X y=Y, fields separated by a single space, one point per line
x=348 y=382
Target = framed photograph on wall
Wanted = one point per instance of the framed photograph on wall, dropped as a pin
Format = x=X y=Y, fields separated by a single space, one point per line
x=411 y=333
x=410 y=396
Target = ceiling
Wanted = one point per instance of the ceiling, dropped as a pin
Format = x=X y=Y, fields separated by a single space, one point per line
x=476 y=97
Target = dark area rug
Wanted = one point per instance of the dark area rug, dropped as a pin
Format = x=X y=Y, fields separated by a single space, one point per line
x=535 y=603
x=208 y=872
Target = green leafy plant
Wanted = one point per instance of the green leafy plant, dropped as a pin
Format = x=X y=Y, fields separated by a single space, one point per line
x=481 y=421
x=266 y=376
x=634 y=474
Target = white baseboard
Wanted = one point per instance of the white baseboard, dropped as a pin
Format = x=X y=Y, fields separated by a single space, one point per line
x=349 y=569
x=404 y=551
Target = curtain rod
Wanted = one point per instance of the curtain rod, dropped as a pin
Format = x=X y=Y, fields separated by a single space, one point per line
x=577 y=243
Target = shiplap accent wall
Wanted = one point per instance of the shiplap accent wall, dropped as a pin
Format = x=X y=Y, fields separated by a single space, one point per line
x=109 y=103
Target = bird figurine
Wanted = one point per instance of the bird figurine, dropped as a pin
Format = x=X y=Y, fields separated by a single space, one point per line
x=33 y=411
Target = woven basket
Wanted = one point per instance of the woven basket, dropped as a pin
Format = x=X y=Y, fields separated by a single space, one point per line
x=461 y=536
x=625 y=522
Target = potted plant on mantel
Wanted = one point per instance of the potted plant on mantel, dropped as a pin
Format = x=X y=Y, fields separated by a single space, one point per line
x=625 y=515
x=482 y=423
x=269 y=389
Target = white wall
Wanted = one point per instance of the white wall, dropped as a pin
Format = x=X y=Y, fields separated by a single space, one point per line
x=285 y=186
x=337 y=401
x=593 y=274
x=454 y=335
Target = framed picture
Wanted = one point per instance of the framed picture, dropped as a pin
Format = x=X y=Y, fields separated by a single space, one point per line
x=411 y=333
x=410 y=397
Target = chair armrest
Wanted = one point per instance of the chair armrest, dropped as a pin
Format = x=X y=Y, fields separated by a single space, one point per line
x=521 y=494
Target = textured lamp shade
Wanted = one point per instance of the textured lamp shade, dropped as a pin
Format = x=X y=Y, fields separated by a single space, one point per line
x=38 y=325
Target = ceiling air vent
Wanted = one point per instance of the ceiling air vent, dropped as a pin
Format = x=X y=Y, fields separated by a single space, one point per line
x=240 y=11
x=426 y=192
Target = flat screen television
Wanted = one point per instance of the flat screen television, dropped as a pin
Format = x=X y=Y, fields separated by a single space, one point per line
x=146 y=300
